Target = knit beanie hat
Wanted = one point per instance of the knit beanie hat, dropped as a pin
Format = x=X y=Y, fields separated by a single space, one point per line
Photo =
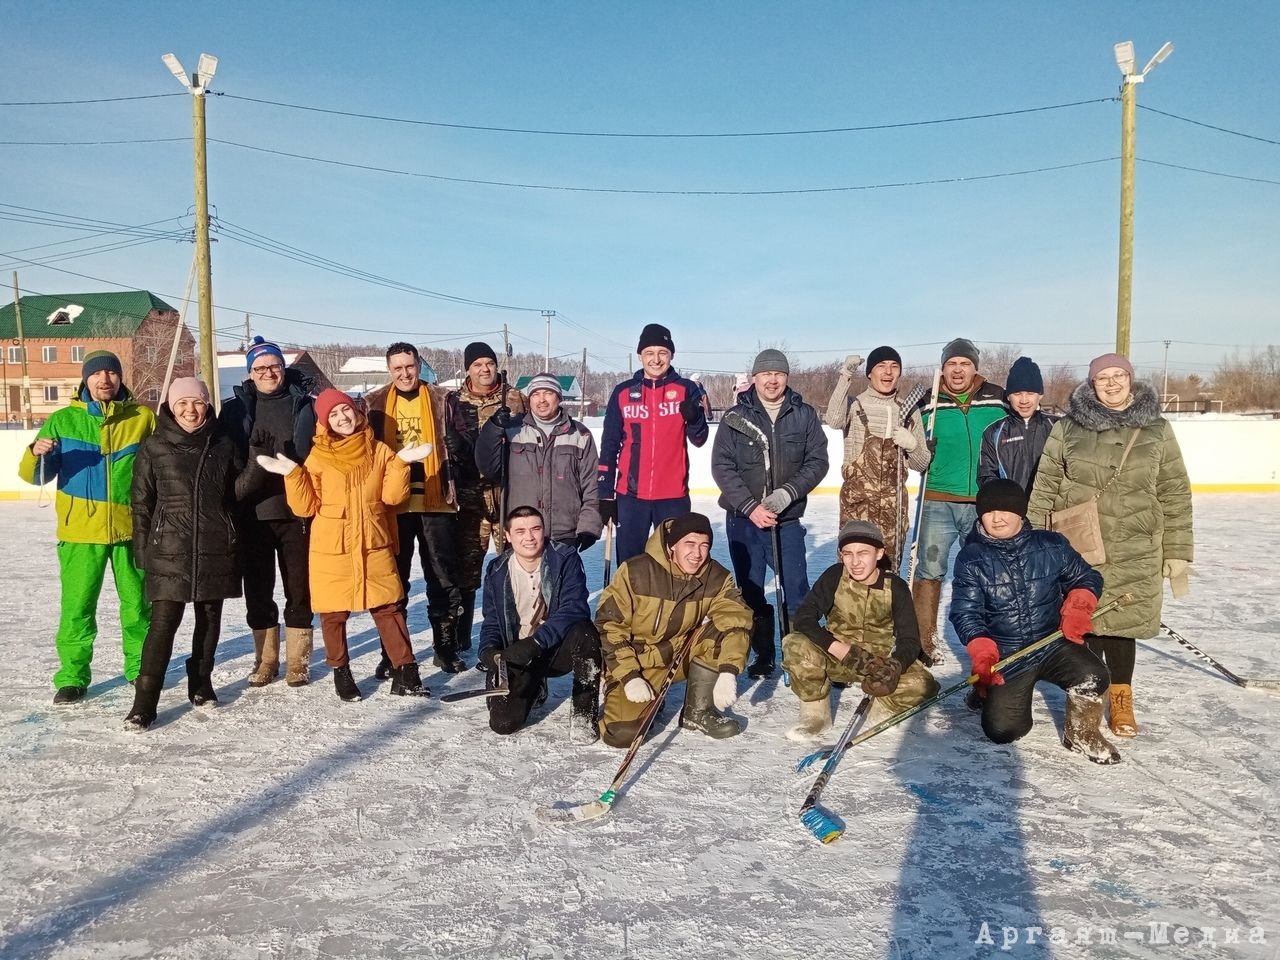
x=879 y=355
x=185 y=388
x=960 y=347
x=1098 y=364
x=101 y=360
x=861 y=531
x=1006 y=495
x=655 y=335
x=261 y=348
x=477 y=351
x=681 y=527
x=1024 y=376
x=771 y=361
x=544 y=381
x=328 y=399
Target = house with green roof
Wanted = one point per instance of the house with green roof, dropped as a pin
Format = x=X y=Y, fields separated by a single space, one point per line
x=59 y=330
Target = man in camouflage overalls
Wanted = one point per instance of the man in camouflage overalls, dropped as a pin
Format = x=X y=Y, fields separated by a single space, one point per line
x=479 y=500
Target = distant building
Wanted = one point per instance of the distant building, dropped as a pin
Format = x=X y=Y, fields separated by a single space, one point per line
x=571 y=390
x=232 y=370
x=61 y=329
x=361 y=375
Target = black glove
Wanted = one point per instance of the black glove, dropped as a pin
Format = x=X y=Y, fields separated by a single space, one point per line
x=263 y=441
x=609 y=511
x=691 y=409
x=522 y=652
x=586 y=541
x=488 y=658
x=502 y=416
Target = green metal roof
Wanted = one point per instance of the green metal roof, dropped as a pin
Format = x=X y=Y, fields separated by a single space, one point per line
x=105 y=315
x=566 y=382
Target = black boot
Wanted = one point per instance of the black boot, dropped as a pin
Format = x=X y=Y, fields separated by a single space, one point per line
x=65 y=695
x=383 y=670
x=699 y=711
x=405 y=681
x=462 y=633
x=345 y=684
x=199 y=685
x=146 y=695
x=444 y=641
x=584 y=721
x=762 y=647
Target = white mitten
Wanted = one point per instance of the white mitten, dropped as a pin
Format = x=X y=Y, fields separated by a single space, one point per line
x=725 y=692
x=851 y=367
x=279 y=464
x=905 y=439
x=637 y=690
x=415 y=453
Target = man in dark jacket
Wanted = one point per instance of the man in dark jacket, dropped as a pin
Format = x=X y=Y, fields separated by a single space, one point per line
x=1013 y=585
x=551 y=464
x=644 y=459
x=273 y=412
x=537 y=619
x=1011 y=447
x=769 y=453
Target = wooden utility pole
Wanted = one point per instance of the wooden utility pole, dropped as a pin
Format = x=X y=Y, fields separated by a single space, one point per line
x=547 y=359
x=582 y=387
x=22 y=350
x=204 y=272
x=1124 y=291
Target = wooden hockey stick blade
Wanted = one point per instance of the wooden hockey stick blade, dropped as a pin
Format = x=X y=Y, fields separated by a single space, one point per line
x=592 y=810
x=1271 y=686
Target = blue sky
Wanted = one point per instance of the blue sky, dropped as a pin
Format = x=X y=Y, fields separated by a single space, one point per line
x=1029 y=259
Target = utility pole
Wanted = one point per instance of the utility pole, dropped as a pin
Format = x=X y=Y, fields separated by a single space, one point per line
x=547 y=359
x=582 y=387
x=1128 y=135
x=248 y=336
x=1165 y=390
x=22 y=350
x=198 y=86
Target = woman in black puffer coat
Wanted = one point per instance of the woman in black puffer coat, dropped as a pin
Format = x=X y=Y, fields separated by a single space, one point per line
x=185 y=481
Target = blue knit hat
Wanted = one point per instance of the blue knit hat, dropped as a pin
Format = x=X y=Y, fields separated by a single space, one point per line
x=1024 y=375
x=261 y=347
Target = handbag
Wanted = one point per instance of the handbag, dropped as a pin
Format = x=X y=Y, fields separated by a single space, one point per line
x=1081 y=524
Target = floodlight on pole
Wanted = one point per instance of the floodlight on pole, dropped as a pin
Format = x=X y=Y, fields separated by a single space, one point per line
x=176 y=68
x=1159 y=58
x=1125 y=58
x=205 y=70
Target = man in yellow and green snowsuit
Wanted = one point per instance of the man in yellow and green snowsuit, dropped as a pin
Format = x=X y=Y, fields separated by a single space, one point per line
x=89 y=449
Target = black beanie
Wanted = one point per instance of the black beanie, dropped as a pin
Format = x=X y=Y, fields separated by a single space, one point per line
x=1024 y=377
x=655 y=335
x=880 y=355
x=681 y=527
x=477 y=351
x=1005 y=495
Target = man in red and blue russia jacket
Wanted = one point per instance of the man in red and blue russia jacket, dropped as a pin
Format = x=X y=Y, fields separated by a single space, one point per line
x=644 y=462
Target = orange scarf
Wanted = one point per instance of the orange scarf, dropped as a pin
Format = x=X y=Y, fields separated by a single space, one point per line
x=351 y=455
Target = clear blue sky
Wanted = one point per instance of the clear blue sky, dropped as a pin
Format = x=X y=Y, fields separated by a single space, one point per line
x=1029 y=259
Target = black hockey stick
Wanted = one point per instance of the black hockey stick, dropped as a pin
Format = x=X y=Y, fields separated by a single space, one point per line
x=500 y=689
x=1270 y=685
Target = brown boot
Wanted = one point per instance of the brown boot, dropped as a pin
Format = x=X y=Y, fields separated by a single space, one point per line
x=1083 y=729
x=298 y=643
x=266 y=656
x=1123 y=723
x=925 y=595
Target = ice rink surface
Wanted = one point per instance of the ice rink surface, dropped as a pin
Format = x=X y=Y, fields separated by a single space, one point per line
x=287 y=824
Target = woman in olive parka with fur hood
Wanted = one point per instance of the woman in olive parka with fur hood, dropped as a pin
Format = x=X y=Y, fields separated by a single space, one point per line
x=1144 y=512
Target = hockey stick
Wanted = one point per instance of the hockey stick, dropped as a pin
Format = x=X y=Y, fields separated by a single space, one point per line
x=822 y=823
x=608 y=553
x=594 y=809
x=1270 y=685
x=905 y=406
x=924 y=480
x=969 y=681
x=501 y=689
x=779 y=585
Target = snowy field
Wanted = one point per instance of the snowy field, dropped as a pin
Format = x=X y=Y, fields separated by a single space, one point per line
x=287 y=824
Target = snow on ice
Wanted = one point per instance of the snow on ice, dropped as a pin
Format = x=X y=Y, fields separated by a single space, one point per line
x=287 y=824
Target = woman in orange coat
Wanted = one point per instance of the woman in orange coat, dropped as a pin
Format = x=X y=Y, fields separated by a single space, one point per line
x=351 y=484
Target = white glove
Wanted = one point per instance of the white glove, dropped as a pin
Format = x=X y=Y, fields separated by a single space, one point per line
x=777 y=501
x=1173 y=569
x=279 y=464
x=725 y=692
x=415 y=453
x=637 y=690
x=904 y=438
x=852 y=364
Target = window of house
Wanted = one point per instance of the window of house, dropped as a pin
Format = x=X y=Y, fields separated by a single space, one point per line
x=15 y=354
x=51 y=393
x=49 y=354
x=77 y=354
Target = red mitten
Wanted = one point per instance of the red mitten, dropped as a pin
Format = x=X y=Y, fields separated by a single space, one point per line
x=984 y=654
x=1077 y=614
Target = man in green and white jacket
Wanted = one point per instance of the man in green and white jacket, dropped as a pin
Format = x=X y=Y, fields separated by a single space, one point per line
x=89 y=448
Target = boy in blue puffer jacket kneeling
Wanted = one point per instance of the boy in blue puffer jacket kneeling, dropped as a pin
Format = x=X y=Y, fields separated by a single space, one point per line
x=1012 y=586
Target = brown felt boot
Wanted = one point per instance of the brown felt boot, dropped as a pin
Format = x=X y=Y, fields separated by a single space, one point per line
x=925 y=595
x=266 y=656
x=298 y=643
x=1084 y=729
x=1123 y=722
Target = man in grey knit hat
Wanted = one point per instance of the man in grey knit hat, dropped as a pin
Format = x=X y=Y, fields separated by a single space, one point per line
x=769 y=423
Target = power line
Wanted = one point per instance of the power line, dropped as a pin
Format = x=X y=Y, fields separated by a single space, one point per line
x=63 y=103
x=687 y=193
x=664 y=136
x=87 y=236
x=1209 y=126
x=91 y=143
x=1211 y=173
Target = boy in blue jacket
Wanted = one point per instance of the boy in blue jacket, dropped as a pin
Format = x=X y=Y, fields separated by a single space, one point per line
x=1012 y=586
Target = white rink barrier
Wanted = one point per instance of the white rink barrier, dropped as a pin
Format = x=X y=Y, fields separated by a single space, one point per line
x=1223 y=455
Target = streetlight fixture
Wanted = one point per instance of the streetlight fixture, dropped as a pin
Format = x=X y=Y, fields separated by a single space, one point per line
x=198 y=85
x=1127 y=61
